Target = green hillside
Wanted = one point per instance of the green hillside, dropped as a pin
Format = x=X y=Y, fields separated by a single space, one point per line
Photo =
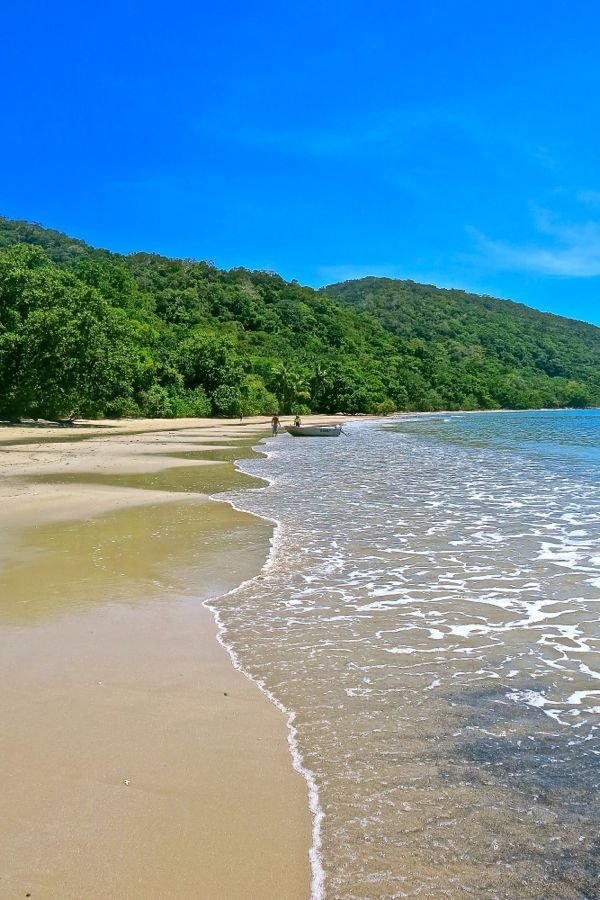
x=86 y=332
x=497 y=351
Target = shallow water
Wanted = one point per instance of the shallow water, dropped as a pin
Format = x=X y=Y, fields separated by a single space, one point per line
x=138 y=552
x=185 y=479
x=430 y=613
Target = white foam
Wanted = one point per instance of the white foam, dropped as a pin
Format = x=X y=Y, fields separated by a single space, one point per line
x=317 y=813
x=480 y=569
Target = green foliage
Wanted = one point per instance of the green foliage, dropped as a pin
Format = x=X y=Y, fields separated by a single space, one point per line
x=169 y=401
x=462 y=351
x=88 y=332
x=64 y=351
x=208 y=360
x=256 y=399
x=384 y=407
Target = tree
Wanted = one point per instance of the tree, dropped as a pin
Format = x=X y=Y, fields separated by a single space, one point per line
x=290 y=385
x=64 y=351
x=85 y=331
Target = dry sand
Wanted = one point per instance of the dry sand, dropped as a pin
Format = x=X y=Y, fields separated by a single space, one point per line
x=135 y=760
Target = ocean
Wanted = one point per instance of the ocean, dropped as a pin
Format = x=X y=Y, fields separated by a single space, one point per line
x=428 y=618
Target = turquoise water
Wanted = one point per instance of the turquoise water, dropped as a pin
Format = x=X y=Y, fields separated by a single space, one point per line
x=569 y=436
x=429 y=616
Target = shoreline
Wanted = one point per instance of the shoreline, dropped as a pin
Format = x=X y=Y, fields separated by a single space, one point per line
x=54 y=513
x=317 y=880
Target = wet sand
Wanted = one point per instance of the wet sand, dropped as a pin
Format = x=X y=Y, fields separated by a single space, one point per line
x=135 y=760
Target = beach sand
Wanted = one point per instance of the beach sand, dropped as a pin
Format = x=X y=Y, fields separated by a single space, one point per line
x=135 y=760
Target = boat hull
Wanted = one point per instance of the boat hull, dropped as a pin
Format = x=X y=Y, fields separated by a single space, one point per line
x=314 y=430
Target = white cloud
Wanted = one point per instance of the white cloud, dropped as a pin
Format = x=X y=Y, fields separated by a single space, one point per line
x=571 y=250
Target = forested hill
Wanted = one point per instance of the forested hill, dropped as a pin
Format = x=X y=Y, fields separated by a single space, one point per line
x=464 y=335
x=86 y=332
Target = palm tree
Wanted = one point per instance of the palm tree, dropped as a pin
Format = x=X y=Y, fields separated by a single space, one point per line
x=290 y=386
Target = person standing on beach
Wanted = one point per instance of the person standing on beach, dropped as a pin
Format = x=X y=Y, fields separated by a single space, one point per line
x=275 y=425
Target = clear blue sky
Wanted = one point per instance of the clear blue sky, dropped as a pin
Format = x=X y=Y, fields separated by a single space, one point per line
x=450 y=142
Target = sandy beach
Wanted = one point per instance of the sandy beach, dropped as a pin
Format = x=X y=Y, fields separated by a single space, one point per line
x=136 y=761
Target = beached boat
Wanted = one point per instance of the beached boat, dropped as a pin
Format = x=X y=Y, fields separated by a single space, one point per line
x=314 y=430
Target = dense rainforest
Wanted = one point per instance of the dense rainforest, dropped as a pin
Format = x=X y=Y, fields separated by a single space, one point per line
x=86 y=332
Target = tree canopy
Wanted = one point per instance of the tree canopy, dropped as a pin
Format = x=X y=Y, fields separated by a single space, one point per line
x=86 y=332
x=474 y=351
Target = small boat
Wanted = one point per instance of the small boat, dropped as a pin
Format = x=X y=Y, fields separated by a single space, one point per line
x=314 y=430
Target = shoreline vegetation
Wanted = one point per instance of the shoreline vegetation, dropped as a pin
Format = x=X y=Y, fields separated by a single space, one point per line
x=89 y=333
x=139 y=762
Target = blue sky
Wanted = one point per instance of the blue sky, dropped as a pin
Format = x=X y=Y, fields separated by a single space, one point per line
x=455 y=142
